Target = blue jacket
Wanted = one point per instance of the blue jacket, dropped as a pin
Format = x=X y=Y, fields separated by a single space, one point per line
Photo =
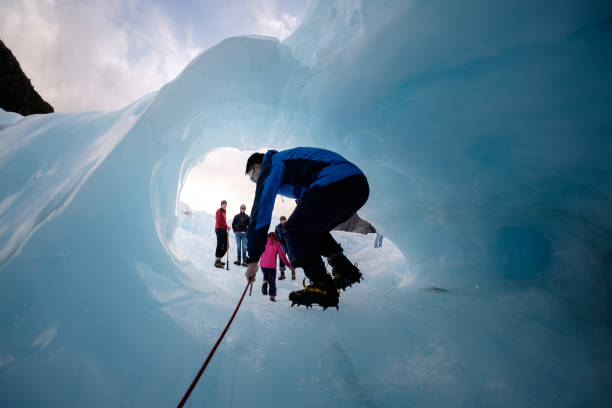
x=290 y=173
x=280 y=233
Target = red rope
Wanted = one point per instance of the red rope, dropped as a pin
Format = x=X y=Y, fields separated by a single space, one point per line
x=197 y=377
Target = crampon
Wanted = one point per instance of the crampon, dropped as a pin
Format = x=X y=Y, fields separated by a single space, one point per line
x=314 y=294
x=346 y=274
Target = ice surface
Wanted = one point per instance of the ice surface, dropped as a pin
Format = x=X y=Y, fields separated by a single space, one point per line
x=484 y=129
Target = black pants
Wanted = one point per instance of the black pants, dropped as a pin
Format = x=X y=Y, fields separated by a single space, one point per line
x=221 y=242
x=269 y=275
x=317 y=213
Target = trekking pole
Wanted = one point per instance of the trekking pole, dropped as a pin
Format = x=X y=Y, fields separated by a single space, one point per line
x=227 y=264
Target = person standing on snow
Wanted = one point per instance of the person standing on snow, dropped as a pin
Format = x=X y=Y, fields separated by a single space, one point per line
x=221 y=230
x=280 y=233
x=267 y=262
x=240 y=226
x=378 y=240
x=329 y=190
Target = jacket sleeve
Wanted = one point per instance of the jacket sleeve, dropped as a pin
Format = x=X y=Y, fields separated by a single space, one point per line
x=279 y=249
x=223 y=220
x=234 y=223
x=268 y=184
x=218 y=219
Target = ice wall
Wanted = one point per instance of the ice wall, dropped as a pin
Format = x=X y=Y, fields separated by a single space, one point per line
x=484 y=129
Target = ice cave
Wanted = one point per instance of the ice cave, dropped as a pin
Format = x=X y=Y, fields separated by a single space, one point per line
x=485 y=131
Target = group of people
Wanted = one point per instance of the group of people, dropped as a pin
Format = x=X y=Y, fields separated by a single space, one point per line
x=276 y=247
x=328 y=190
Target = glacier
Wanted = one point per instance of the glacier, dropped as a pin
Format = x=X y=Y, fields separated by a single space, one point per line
x=485 y=131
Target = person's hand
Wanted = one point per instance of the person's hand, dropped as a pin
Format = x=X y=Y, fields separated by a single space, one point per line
x=251 y=271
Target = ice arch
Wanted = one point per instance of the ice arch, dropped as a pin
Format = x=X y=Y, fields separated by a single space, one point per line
x=484 y=130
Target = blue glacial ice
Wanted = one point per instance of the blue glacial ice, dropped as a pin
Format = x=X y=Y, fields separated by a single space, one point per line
x=485 y=131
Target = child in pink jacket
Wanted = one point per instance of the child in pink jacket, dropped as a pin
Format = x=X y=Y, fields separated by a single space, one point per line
x=267 y=263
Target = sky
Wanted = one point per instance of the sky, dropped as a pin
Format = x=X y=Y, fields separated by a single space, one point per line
x=84 y=55
x=216 y=179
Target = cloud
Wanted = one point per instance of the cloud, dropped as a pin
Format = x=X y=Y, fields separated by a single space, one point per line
x=96 y=54
x=277 y=26
x=104 y=54
x=272 y=19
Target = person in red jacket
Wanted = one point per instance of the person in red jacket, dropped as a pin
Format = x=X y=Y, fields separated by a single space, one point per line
x=221 y=230
x=267 y=263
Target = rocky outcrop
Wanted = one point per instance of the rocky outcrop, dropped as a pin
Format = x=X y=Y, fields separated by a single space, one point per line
x=16 y=91
x=356 y=224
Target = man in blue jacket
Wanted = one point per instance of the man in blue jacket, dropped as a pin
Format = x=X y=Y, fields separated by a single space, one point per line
x=328 y=189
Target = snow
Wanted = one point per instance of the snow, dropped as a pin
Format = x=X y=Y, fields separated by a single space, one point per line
x=484 y=130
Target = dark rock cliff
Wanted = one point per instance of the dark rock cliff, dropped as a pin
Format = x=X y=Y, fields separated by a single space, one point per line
x=16 y=91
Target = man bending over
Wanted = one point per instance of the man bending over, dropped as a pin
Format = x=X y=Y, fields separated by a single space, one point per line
x=329 y=190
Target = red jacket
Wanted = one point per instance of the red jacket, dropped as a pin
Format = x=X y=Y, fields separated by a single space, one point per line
x=220 y=219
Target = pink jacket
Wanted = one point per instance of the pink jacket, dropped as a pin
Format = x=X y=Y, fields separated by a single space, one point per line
x=268 y=258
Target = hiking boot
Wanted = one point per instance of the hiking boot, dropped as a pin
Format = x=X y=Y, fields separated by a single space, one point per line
x=264 y=288
x=323 y=295
x=219 y=264
x=293 y=274
x=282 y=275
x=237 y=262
x=344 y=272
x=244 y=263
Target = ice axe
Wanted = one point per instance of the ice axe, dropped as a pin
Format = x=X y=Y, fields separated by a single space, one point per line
x=227 y=263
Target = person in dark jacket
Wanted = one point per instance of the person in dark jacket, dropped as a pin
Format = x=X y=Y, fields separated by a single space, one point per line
x=329 y=190
x=280 y=233
x=240 y=226
x=221 y=230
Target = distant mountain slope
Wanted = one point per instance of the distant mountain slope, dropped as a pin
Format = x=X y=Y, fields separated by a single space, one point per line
x=356 y=224
x=16 y=91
